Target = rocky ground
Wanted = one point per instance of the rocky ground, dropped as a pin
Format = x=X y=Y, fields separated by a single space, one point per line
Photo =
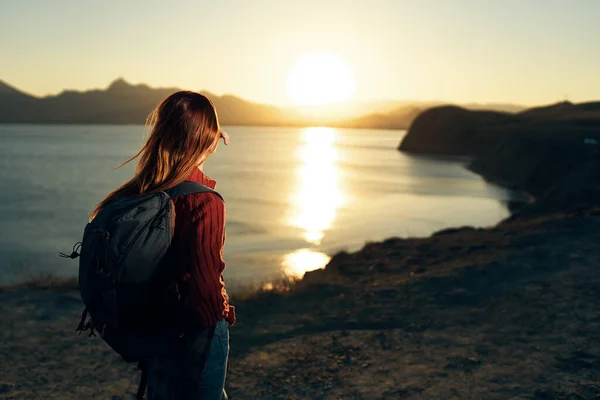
x=511 y=312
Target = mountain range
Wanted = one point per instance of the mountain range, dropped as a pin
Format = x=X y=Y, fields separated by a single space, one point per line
x=125 y=103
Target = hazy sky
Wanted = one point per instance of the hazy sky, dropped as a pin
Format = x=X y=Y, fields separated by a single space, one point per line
x=521 y=51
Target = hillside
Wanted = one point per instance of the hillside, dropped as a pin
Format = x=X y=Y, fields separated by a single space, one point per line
x=451 y=130
x=120 y=103
x=124 y=103
x=503 y=313
x=399 y=118
x=551 y=153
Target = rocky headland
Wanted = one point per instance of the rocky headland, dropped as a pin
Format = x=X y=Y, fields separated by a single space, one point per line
x=551 y=153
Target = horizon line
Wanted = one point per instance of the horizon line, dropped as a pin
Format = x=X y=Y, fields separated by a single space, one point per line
x=286 y=106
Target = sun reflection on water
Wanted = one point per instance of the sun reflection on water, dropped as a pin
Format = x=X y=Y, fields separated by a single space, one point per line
x=317 y=199
x=300 y=261
x=319 y=195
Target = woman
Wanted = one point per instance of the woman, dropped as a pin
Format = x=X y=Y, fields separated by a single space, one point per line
x=185 y=132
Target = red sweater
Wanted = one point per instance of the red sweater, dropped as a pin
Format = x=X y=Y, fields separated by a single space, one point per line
x=198 y=240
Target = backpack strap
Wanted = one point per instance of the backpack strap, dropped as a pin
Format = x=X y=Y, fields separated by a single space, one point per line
x=141 y=393
x=188 y=187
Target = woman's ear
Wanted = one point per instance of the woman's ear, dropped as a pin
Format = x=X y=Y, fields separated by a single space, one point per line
x=225 y=137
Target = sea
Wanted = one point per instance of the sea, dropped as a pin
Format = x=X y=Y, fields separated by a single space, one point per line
x=294 y=196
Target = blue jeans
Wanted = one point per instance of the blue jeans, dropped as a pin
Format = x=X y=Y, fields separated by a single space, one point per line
x=212 y=381
x=181 y=372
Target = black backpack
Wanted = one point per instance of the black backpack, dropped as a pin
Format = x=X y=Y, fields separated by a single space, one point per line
x=127 y=279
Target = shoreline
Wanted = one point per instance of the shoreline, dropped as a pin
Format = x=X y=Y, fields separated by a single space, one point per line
x=54 y=281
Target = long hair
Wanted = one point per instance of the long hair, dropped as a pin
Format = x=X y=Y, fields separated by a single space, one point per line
x=184 y=132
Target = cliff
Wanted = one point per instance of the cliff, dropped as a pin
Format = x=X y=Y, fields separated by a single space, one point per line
x=450 y=131
x=540 y=151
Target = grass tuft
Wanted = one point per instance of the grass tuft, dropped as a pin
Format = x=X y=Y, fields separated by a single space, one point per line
x=259 y=290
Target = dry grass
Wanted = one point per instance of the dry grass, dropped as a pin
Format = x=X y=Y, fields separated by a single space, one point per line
x=260 y=290
x=47 y=281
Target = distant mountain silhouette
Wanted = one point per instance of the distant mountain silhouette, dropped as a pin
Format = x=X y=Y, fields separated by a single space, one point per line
x=565 y=111
x=125 y=103
x=121 y=103
x=400 y=118
x=7 y=90
x=403 y=115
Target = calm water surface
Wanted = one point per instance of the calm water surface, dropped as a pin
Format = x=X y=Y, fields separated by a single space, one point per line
x=294 y=196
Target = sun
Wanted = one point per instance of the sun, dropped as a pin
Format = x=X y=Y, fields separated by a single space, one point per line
x=320 y=78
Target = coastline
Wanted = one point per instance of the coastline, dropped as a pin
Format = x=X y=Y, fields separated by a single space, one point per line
x=504 y=312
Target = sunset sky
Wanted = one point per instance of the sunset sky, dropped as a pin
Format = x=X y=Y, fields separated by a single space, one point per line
x=519 y=51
